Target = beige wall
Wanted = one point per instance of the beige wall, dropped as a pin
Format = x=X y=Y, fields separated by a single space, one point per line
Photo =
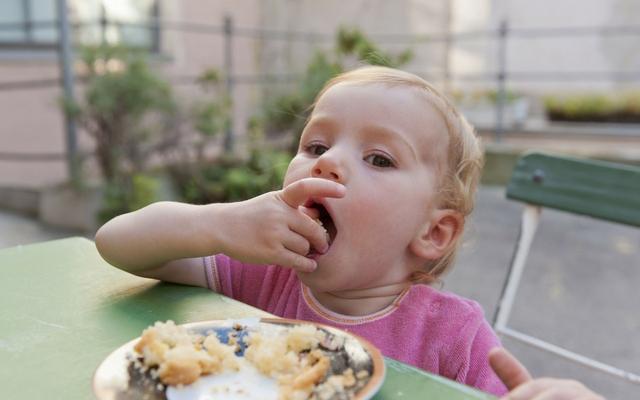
x=30 y=123
x=374 y=17
x=565 y=54
x=191 y=52
x=31 y=120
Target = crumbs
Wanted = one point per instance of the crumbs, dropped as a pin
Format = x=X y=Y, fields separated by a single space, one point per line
x=181 y=357
x=293 y=356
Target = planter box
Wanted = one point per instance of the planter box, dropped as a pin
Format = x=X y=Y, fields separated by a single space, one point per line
x=22 y=200
x=515 y=113
x=65 y=207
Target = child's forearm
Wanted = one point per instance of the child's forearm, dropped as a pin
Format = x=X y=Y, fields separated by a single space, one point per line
x=273 y=228
x=159 y=233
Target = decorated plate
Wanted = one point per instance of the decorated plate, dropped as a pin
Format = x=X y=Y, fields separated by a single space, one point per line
x=241 y=359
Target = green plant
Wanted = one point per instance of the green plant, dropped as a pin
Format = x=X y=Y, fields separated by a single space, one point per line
x=352 y=42
x=125 y=107
x=210 y=114
x=594 y=107
x=288 y=112
x=483 y=96
x=128 y=194
x=228 y=177
x=231 y=178
x=509 y=96
x=630 y=103
x=129 y=111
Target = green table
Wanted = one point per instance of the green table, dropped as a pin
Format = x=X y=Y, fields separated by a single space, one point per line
x=64 y=310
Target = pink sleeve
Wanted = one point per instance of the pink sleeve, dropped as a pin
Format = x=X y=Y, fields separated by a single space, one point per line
x=233 y=278
x=476 y=339
x=262 y=286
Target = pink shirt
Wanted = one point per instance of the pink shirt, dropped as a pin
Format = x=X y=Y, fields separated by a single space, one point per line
x=437 y=331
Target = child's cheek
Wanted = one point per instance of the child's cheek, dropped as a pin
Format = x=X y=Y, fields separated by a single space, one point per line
x=382 y=215
x=294 y=173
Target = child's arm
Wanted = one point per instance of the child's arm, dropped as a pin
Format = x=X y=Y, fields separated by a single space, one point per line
x=165 y=239
x=161 y=241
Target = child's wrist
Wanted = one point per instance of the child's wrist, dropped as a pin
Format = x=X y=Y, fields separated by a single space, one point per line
x=212 y=219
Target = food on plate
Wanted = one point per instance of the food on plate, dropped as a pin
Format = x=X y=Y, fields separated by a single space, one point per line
x=182 y=357
x=305 y=361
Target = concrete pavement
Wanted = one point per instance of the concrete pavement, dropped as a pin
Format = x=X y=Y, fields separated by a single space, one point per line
x=580 y=288
x=16 y=229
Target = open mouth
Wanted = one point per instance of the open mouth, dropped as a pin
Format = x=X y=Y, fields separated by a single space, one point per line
x=324 y=219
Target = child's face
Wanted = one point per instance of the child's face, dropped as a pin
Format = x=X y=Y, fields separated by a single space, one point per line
x=387 y=146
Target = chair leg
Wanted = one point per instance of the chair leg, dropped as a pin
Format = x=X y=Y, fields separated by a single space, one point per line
x=529 y=223
x=530 y=220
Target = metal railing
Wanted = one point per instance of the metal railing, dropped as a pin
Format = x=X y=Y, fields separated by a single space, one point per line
x=229 y=31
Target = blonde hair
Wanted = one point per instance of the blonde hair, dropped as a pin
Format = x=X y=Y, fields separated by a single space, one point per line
x=464 y=159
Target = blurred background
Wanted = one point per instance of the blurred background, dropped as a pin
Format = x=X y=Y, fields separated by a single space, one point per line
x=108 y=105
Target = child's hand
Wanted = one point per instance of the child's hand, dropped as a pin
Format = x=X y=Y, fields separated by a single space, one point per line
x=276 y=228
x=522 y=387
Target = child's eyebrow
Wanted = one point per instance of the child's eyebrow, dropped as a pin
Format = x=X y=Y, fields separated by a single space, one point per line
x=386 y=134
x=321 y=122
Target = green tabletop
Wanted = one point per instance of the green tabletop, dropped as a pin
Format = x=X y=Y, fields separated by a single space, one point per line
x=64 y=310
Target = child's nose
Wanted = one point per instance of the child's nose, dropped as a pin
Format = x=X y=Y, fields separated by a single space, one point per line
x=328 y=168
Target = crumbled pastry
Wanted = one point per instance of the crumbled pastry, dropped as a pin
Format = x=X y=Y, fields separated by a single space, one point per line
x=292 y=355
x=183 y=365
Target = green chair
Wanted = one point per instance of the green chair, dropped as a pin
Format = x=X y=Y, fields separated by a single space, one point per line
x=598 y=189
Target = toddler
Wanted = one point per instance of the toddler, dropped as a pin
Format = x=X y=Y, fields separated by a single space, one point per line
x=371 y=211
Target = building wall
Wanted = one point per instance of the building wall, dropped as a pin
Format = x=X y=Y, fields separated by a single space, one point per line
x=564 y=54
x=376 y=18
x=191 y=53
x=32 y=122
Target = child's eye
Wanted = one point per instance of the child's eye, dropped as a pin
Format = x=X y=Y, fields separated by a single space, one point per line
x=379 y=161
x=316 y=149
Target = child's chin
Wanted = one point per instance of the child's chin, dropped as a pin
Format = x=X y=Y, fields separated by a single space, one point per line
x=311 y=279
x=303 y=275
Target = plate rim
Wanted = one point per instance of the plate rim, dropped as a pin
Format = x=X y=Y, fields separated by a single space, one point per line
x=366 y=392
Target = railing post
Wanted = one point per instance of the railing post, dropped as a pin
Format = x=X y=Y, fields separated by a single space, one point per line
x=448 y=41
x=65 y=57
x=28 y=21
x=501 y=95
x=155 y=28
x=103 y=25
x=228 y=73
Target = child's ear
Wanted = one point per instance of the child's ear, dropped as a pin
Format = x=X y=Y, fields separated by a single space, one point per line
x=437 y=234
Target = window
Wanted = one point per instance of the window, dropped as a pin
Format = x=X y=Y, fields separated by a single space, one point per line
x=32 y=23
x=27 y=23
x=117 y=22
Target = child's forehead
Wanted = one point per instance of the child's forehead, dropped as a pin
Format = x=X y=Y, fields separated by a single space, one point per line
x=389 y=100
x=402 y=108
x=371 y=89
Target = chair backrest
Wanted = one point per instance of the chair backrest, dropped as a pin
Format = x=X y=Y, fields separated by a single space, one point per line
x=598 y=189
